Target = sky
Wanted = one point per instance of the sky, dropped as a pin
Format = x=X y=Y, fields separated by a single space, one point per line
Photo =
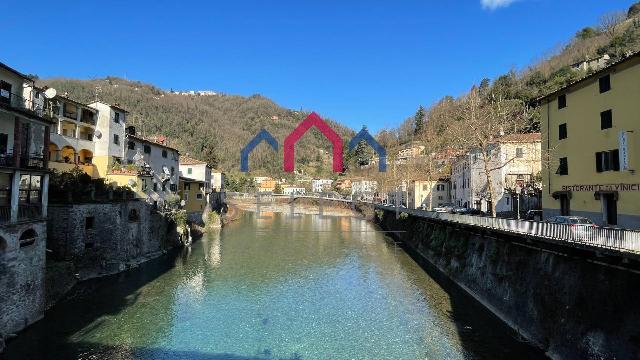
x=358 y=62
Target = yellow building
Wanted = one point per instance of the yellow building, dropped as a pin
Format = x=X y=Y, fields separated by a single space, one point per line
x=193 y=192
x=590 y=131
x=428 y=194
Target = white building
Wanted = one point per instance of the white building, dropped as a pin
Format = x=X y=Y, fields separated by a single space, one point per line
x=515 y=162
x=428 y=194
x=293 y=190
x=162 y=161
x=109 y=137
x=364 y=190
x=320 y=185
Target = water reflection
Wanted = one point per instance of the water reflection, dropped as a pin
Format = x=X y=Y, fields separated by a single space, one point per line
x=307 y=288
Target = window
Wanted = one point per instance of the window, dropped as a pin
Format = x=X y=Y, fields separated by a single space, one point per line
x=563 y=169
x=519 y=153
x=155 y=186
x=605 y=84
x=199 y=196
x=147 y=149
x=425 y=187
x=144 y=185
x=173 y=187
x=30 y=190
x=187 y=186
x=164 y=187
x=4 y=141
x=186 y=196
x=440 y=197
x=562 y=131
x=608 y=160
x=164 y=153
x=28 y=238
x=189 y=171
x=606 y=120
x=116 y=139
x=116 y=117
x=562 y=101
x=131 y=145
x=133 y=215
x=173 y=170
x=88 y=223
x=5 y=92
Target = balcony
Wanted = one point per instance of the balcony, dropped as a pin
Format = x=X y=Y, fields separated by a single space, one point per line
x=16 y=102
x=31 y=161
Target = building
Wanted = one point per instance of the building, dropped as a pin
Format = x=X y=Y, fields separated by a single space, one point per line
x=109 y=137
x=514 y=167
x=591 y=131
x=200 y=171
x=320 y=185
x=364 y=190
x=293 y=190
x=25 y=123
x=267 y=185
x=156 y=166
x=72 y=136
x=259 y=179
x=398 y=196
x=194 y=194
x=409 y=151
x=428 y=194
x=591 y=64
x=217 y=188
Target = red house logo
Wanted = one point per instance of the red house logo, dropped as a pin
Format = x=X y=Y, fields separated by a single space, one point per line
x=312 y=120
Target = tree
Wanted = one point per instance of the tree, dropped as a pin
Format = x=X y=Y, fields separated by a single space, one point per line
x=419 y=119
x=610 y=22
x=634 y=10
x=587 y=33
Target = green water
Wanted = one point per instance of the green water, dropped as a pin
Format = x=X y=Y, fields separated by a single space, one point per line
x=278 y=288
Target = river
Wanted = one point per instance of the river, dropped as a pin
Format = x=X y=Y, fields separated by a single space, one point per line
x=273 y=288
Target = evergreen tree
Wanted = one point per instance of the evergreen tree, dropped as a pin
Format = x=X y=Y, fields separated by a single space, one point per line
x=419 y=120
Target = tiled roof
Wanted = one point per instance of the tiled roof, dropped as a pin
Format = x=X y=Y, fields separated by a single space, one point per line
x=185 y=160
x=531 y=137
x=151 y=140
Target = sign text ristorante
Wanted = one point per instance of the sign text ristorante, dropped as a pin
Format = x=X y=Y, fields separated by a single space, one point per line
x=602 y=187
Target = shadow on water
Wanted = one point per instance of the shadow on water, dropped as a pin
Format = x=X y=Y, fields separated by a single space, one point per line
x=482 y=334
x=82 y=308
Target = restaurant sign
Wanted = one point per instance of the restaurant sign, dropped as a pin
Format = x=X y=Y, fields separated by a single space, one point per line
x=602 y=187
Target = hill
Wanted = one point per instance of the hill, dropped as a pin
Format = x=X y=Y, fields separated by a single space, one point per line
x=210 y=127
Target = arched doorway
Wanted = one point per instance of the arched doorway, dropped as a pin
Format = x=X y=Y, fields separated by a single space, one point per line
x=68 y=154
x=85 y=156
x=54 y=152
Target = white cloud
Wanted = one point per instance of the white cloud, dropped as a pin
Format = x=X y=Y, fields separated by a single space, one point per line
x=494 y=4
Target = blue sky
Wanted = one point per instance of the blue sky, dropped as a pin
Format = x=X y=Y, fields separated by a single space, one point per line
x=358 y=62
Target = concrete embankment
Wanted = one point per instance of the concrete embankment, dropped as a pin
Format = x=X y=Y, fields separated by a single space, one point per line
x=569 y=304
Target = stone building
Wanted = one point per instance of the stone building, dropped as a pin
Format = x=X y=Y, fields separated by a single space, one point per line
x=25 y=121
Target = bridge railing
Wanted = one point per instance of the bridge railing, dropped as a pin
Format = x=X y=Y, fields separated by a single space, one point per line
x=609 y=238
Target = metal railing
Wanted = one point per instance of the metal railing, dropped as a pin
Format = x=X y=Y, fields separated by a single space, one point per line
x=29 y=211
x=40 y=108
x=608 y=238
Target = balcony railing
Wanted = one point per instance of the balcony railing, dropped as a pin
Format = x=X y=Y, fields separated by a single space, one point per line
x=32 y=161
x=14 y=101
x=5 y=214
x=29 y=211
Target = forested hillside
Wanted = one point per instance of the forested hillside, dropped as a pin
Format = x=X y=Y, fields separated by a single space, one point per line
x=617 y=35
x=213 y=128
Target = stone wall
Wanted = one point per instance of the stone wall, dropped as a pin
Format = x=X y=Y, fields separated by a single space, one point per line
x=105 y=238
x=21 y=276
x=569 y=303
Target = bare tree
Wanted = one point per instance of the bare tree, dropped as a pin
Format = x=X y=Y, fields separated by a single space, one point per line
x=610 y=22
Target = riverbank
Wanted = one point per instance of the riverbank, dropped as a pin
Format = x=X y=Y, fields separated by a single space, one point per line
x=568 y=305
x=297 y=206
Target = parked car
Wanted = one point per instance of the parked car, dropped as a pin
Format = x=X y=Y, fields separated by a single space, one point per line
x=444 y=208
x=579 y=226
x=533 y=215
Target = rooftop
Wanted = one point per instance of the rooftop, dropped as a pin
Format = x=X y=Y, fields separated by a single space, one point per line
x=530 y=137
x=155 y=140
x=186 y=160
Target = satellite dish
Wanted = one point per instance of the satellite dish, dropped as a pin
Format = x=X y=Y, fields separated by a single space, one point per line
x=50 y=93
x=131 y=182
x=182 y=202
x=97 y=134
x=166 y=170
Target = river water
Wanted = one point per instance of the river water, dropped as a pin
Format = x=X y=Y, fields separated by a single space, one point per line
x=274 y=288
